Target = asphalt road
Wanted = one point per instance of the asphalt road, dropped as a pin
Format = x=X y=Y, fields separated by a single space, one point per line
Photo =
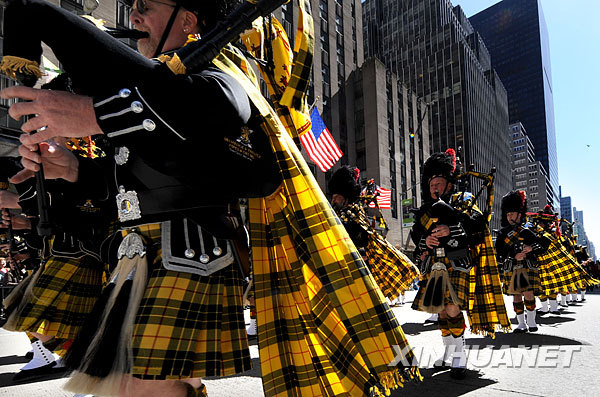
x=562 y=358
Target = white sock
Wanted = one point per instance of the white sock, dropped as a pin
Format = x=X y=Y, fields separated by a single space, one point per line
x=553 y=305
x=521 y=321
x=530 y=315
x=563 y=299
x=544 y=306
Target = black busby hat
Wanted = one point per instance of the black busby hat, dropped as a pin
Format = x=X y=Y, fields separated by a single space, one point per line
x=345 y=181
x=442 y=164
x=515 y=201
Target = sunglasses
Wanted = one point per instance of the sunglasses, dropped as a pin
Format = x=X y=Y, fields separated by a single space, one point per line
x=141 y=7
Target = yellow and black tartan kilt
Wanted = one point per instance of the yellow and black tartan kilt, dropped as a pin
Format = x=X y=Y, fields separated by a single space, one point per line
x=534 y=279
x=460 y=283
x=392 y=270
x=188 y=325
x=62 y=297
x=310 y=303
x=560 y=271
x=323 y=325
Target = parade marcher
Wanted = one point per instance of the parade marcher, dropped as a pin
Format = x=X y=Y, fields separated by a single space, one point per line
x=559 y=270
x=53 y=303
x=392 y=270
x=311 y=299
x=459 y=265
x=517 y=248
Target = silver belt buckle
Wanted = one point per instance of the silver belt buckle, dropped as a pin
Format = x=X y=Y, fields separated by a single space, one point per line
x=128 y=205
x=440 y=252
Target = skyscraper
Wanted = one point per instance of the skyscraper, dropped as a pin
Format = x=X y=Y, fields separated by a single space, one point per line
x=566 y=210
x=436 y=52
x=516 y=35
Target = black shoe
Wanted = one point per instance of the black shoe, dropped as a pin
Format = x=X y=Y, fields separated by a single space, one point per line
x=557 y=313
x=458 y=373
x=519 y=331
x=582 y=300
x=428 y=321
x=565 y=305
x=533 y=329
x=29 y=355
x=541 y=313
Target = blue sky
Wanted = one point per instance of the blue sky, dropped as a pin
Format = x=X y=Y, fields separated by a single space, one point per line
x=574 y=33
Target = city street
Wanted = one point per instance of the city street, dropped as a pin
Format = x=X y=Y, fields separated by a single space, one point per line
x=561 y=358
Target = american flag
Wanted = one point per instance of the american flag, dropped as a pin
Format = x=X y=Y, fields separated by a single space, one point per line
x=384 y=199
x=319 y=143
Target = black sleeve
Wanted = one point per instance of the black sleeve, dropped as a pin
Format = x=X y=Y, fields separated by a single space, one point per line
x=418 y=233
x=84 y=208
x=502 y=250
x=197 y=109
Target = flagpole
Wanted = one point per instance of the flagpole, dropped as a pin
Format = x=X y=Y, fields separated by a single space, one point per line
x=313 y=104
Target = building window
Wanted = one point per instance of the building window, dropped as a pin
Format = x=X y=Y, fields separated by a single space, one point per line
x=75 y=6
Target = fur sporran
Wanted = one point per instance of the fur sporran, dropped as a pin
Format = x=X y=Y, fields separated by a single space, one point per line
x=438 y=285
x=519 y=282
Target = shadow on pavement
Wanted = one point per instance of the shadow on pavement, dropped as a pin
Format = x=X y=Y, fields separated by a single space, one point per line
x=553 y=320
x=417 y=328
x=522 y=340
x=6 y=379
x=8 y=360
x=436 y=383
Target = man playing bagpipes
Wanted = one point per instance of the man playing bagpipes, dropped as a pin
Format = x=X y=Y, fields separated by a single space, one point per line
x=559 y=270
x=517 y=249
x=458 y=262
x=178 y=125
x=392 y=270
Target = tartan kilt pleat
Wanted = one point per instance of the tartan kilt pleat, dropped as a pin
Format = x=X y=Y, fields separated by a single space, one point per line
x=534 y=279
x=460 y=282
x=61 y=299
x=560 y=271
x=392 y=270
x=189 y=326
x=323 y=326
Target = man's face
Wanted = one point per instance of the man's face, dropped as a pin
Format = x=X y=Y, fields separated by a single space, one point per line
x=513 y=217
x=438 y=186
x=153 y=21
x=338 y=201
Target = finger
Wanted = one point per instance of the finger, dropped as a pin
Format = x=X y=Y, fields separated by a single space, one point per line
x=22 y=176
x=19 y=109
x=29 y=154
x=30 y=165
x=38 y=137
x=33 y=124
x=21 y=92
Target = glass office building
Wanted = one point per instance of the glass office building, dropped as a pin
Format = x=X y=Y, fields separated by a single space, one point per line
x=516 y=36
x=436 y=52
